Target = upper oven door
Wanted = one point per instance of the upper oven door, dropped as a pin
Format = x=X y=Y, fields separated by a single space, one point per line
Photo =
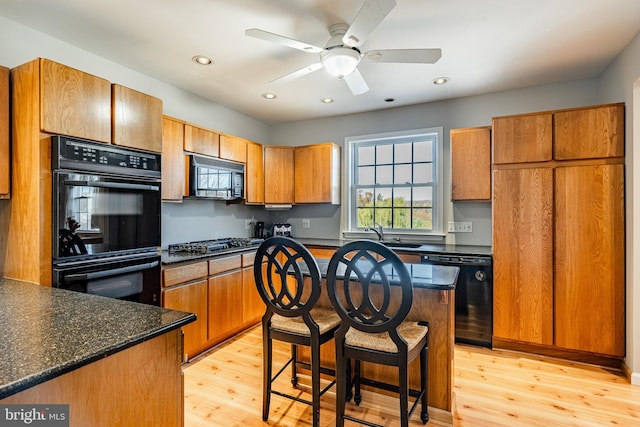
x=96 y=214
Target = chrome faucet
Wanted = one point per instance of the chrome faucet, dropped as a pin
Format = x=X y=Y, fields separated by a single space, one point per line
x=377 y=228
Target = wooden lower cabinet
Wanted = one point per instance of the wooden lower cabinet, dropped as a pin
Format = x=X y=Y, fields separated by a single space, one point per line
x=192 y=298
x=589 y=259
x=523 y=255
x=221 y=292
x=558 y=258
x=225 y=305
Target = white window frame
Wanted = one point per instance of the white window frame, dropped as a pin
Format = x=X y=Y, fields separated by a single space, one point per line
x=349 y=198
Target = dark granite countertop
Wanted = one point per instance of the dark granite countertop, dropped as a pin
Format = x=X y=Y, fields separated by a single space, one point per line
x=428 y=248
x=47 y=332
x=426 y=276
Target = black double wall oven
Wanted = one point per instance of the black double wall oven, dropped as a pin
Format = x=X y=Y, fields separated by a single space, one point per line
x=106 y=220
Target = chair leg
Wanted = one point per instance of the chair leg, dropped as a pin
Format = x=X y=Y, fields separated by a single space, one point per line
x=403 y=383
x=356 y=383
x=342 y=382
x=349 y=380
x=294 y=360
x=315 y=383
x=266 y=373
x=424 y=384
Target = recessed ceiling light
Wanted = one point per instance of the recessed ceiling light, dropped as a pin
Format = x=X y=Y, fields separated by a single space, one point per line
x=440 y=80
x=326 y=100
x=389 y=99
x=202 y=60
x=269 y=95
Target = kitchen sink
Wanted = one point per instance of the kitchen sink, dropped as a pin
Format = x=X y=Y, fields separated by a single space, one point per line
x=401 y=244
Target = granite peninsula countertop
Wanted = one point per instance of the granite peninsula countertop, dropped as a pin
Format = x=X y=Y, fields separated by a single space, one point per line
x=47 y=332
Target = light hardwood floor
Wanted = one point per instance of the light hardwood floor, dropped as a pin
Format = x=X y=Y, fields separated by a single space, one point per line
x=493 y=388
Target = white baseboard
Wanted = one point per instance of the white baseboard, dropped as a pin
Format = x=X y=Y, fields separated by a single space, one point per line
x=635 y=378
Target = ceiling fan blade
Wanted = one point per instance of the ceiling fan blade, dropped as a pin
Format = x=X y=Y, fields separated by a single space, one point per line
x=276 y=38
x=356 y=83
x=297 y=74
x=408 y=56
x=367 y=19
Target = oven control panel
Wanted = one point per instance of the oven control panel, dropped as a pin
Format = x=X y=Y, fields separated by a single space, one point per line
x=82 y=154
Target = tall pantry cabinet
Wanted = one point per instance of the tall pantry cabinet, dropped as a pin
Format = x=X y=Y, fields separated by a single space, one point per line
x=558 y=229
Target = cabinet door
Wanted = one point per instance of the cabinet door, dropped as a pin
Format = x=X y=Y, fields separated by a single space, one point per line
x=5 y=174
x=252 y=305
x=173 y=163
x=225 y=304
x=471 y=164
x=201 y=141
x=317 y=174
x=254 y=174
x=589 y=133
x=589 y=259
x=233 y=148
x=523 y=255
x=191 y=298
x=137 y=119
x=278 y=175
x=523 y=138
x=74 y=103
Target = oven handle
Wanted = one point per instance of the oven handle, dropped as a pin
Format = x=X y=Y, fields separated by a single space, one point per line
x=119 y=185
x=99 y=274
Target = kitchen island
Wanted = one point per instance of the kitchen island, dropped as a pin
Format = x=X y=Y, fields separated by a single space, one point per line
x=113 y=362
x=433 y=301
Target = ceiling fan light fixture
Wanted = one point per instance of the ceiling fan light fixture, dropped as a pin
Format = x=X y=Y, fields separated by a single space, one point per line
x=340 y=61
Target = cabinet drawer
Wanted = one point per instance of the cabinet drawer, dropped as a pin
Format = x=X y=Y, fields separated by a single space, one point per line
x=218 y=265
x=248 y=259
x=184 y=273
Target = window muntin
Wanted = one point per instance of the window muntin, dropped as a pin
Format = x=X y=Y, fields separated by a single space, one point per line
x=394 y=182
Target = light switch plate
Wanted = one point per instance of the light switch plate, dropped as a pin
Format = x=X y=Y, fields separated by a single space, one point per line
x=306 y=223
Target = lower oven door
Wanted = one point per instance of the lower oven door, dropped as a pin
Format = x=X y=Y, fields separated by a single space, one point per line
x=130 y=277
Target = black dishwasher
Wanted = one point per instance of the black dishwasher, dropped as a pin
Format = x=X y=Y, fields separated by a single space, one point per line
x=473 y=297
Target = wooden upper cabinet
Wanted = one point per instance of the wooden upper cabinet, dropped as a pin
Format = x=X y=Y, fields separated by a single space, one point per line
x=74 y=103
x=254 y=174
x=201 y=141
x=589 y=133
x=137 y=119
x=173 y=160
x=589 y=258
x=5 y=169
x=278 y=174
x=522 y=138
x=317 y=173
x=471 y=164
x=233 y=148
x=523 y=255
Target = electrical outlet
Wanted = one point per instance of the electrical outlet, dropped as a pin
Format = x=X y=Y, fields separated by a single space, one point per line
x=306 y=223
x=460 y=227
x=247 y=224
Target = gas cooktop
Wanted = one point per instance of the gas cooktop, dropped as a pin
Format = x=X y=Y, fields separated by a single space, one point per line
x=209 y=246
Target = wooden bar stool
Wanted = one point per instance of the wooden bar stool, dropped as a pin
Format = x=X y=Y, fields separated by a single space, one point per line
x=291 y=315
x=370 y=288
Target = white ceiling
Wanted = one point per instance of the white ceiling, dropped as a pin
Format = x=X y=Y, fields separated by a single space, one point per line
x=487 y=46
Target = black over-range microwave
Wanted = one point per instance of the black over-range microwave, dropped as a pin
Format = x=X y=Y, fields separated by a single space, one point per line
x=213 y=178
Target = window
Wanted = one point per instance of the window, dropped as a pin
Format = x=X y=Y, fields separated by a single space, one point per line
x=394 y=181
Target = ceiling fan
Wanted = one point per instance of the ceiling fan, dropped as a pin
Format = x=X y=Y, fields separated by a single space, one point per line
x=340 y=56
